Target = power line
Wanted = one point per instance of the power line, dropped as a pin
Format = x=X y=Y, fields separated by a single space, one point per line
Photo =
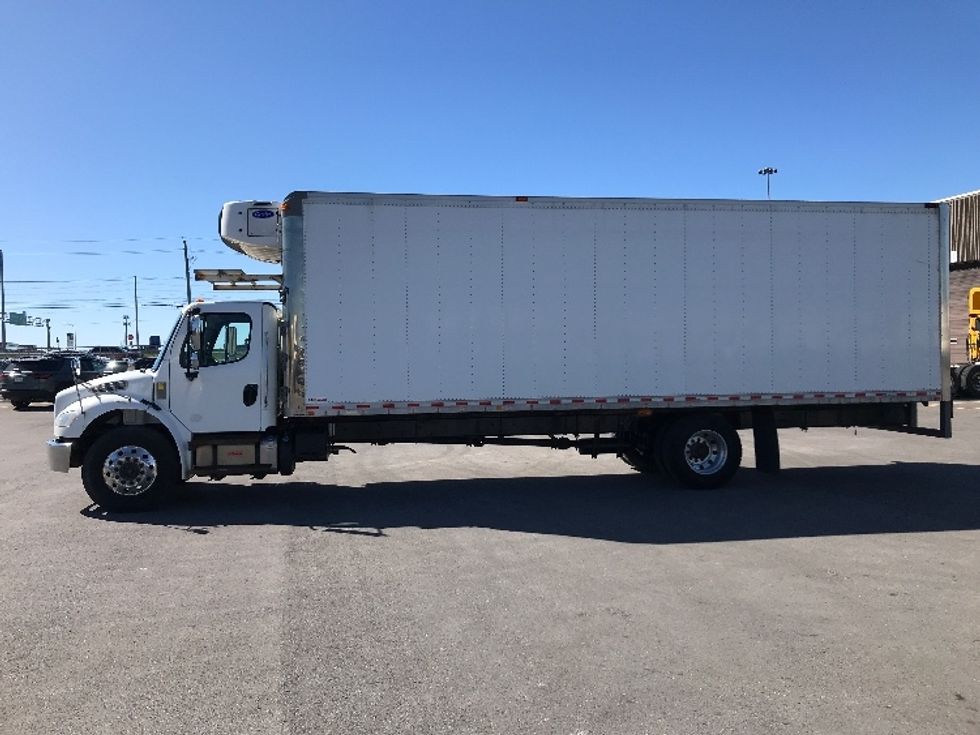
x=96 y=240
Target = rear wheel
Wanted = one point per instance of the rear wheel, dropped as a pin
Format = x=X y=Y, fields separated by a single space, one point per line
x=701 y=451
x=129 y=469
x=645 y=453
x=641 y=459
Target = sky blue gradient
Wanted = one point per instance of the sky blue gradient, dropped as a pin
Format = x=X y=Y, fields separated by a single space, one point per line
x=125 y=126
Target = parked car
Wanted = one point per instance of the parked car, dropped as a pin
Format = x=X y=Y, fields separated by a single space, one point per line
x=117 y=366
x=107 y=352
x=37 y=379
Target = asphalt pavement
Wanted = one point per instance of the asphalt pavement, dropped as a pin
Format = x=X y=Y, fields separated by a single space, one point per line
x=420 y=589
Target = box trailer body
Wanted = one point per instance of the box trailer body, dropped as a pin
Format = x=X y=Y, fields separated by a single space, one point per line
x=498 y=304
x=650 y=328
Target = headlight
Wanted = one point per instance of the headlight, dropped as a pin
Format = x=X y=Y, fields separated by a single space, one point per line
x=110 y=387
x=65 y=419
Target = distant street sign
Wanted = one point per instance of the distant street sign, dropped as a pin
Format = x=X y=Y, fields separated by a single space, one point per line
x=21 y=319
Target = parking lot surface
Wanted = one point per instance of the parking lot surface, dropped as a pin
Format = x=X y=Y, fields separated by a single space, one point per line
x=424 y=589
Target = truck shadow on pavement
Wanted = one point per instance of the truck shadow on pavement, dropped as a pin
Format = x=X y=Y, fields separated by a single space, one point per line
x=629 y=508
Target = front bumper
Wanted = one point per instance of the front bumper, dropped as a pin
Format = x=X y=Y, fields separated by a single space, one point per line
x=59 y=455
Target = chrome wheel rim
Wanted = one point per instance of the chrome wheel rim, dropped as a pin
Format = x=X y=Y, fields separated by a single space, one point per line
x=129 y=470
x=705 y=452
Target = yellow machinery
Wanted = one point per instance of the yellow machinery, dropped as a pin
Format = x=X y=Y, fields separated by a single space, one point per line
x=973 y=330
x=966 y=378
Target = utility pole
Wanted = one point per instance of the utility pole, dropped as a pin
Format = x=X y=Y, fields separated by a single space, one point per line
x=187 y=272
x=768 y=171
x=47 y=325
x=136 y=303
x=3 y=309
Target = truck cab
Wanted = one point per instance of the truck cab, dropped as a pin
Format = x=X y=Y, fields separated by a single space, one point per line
x=203 y=408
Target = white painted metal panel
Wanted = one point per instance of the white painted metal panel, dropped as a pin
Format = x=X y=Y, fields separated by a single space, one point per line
x=415 y=298
x=669 y=329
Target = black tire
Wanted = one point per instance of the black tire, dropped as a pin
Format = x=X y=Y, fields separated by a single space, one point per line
x=972 y=382
x=641 y=459
x=642 y=454
x=646 y=454
x=659 y=455
x=129 y=469
x=701 y=452
x=20 y=405
x=954 y=383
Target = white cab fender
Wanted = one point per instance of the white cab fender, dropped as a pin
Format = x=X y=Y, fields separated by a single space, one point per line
x=78 y=417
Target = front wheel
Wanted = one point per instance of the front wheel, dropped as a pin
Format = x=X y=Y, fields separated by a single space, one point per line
x=129 y=469
x=701 y=451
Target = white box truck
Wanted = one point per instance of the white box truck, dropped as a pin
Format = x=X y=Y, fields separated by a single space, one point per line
x=651 y=329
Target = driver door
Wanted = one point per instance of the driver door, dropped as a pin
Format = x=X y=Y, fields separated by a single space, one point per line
x=221 y=390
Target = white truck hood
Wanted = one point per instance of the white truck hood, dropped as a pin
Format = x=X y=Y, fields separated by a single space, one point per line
x=134 y=386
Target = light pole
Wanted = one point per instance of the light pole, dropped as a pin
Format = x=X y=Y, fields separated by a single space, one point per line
x=767 y=172
x=187 y=272
x=136 y=304
x=125 y=330
x=3 y=309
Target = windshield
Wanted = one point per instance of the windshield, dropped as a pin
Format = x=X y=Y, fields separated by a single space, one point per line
x=166 y=347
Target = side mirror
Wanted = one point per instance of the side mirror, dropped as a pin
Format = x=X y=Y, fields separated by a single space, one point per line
x=195 y=328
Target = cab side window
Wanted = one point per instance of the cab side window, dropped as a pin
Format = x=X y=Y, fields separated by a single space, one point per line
x=225 y=339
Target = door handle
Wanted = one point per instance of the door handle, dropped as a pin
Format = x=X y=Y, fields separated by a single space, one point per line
x=250 y=394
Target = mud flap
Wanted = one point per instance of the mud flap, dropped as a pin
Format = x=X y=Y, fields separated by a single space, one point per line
x=766 y=439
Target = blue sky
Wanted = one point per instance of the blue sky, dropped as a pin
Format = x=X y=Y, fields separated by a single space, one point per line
x=125 y=126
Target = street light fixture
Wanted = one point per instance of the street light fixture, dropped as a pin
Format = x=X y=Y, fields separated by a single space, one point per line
x=768 y=171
